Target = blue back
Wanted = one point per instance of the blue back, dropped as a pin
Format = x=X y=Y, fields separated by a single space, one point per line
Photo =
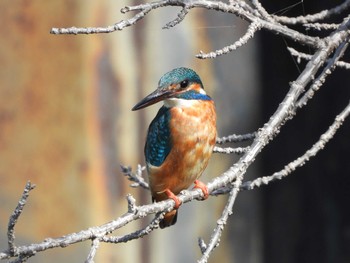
x=158 y=142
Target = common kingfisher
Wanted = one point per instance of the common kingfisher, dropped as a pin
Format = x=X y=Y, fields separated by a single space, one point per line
x=180 y=138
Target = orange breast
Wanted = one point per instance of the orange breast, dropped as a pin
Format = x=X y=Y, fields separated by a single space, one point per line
x=193 y=136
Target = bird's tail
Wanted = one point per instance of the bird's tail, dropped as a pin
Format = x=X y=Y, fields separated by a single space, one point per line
x=169 y=219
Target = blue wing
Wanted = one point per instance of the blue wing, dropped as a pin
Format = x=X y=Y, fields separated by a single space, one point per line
x=158 y=142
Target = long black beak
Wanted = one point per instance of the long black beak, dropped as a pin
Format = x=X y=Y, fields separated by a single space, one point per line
x=156 y=96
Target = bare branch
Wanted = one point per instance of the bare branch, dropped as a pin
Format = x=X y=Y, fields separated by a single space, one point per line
x=252 y=29
x=321 y=26
x=220 y=224
x=103 y=230
x=137 y=177
x=300 y=55
x=94 y=246
x=287 y=108
x=331 y=63
x=236 y=138
x=202 y=245
x=229 y=150
x=143 y=9
x=241 y=4
x=222 y=191
x=315 y=17
x=262 y=11
x=98 y=30
x=14 y=217
x=137 y=234
x=180 y=16
x=131 y=204
x=238 y=8
x=22 y=258
x=289 y=168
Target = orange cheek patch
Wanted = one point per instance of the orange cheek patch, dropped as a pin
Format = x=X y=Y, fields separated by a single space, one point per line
x=195 y=87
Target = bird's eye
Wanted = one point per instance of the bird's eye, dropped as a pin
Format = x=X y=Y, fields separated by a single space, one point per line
x=184 y=84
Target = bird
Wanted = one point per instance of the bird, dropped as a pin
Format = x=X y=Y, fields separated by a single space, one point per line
x=180 y=139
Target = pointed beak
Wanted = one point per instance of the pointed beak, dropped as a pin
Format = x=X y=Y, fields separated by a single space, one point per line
x=156 y=96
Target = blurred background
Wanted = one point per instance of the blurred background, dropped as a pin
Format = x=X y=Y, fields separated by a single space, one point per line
x=66 y=125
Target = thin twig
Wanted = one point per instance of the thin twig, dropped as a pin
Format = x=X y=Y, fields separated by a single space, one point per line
x=261 y=10
x=132 y=208
x=321 y=26
x=137 y=234
x=202 y=245
x=94 y=246
x=137 y=177
x=241 y=4
x=98 y=30
x=222 y=191
x=238 y=9
x=315 y=17
x=318 y=82
x=252 y=29
x=300 y=55
x=22 y=258
x=229 y=150
x=220 y=224
x=14 y=217
x=180 y=17
x=236 y=138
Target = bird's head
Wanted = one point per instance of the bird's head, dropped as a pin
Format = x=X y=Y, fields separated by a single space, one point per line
x=175 y=85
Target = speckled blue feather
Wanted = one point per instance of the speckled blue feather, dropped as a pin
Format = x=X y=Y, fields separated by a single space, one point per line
x=177 y=75
x=158 y=142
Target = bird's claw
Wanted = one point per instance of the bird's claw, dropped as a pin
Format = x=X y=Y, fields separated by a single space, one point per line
x=171 y=195
x=203 y=187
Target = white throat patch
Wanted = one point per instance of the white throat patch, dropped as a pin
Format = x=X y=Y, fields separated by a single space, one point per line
x=202 y=91
x=181 y=103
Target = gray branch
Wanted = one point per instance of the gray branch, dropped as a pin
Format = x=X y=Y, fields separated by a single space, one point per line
x=300 y=161
x=314 y=17
x=14 y=217
x=220 y=224
x=137 y=177
x=229 y=150
x=252 y=29
x=321 y=26
x=236 y=138
x=180 y=16
x=238 y=8
x=94 y=246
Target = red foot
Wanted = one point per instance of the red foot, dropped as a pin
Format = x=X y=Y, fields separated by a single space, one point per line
x=203 y=187
x=171 y=195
